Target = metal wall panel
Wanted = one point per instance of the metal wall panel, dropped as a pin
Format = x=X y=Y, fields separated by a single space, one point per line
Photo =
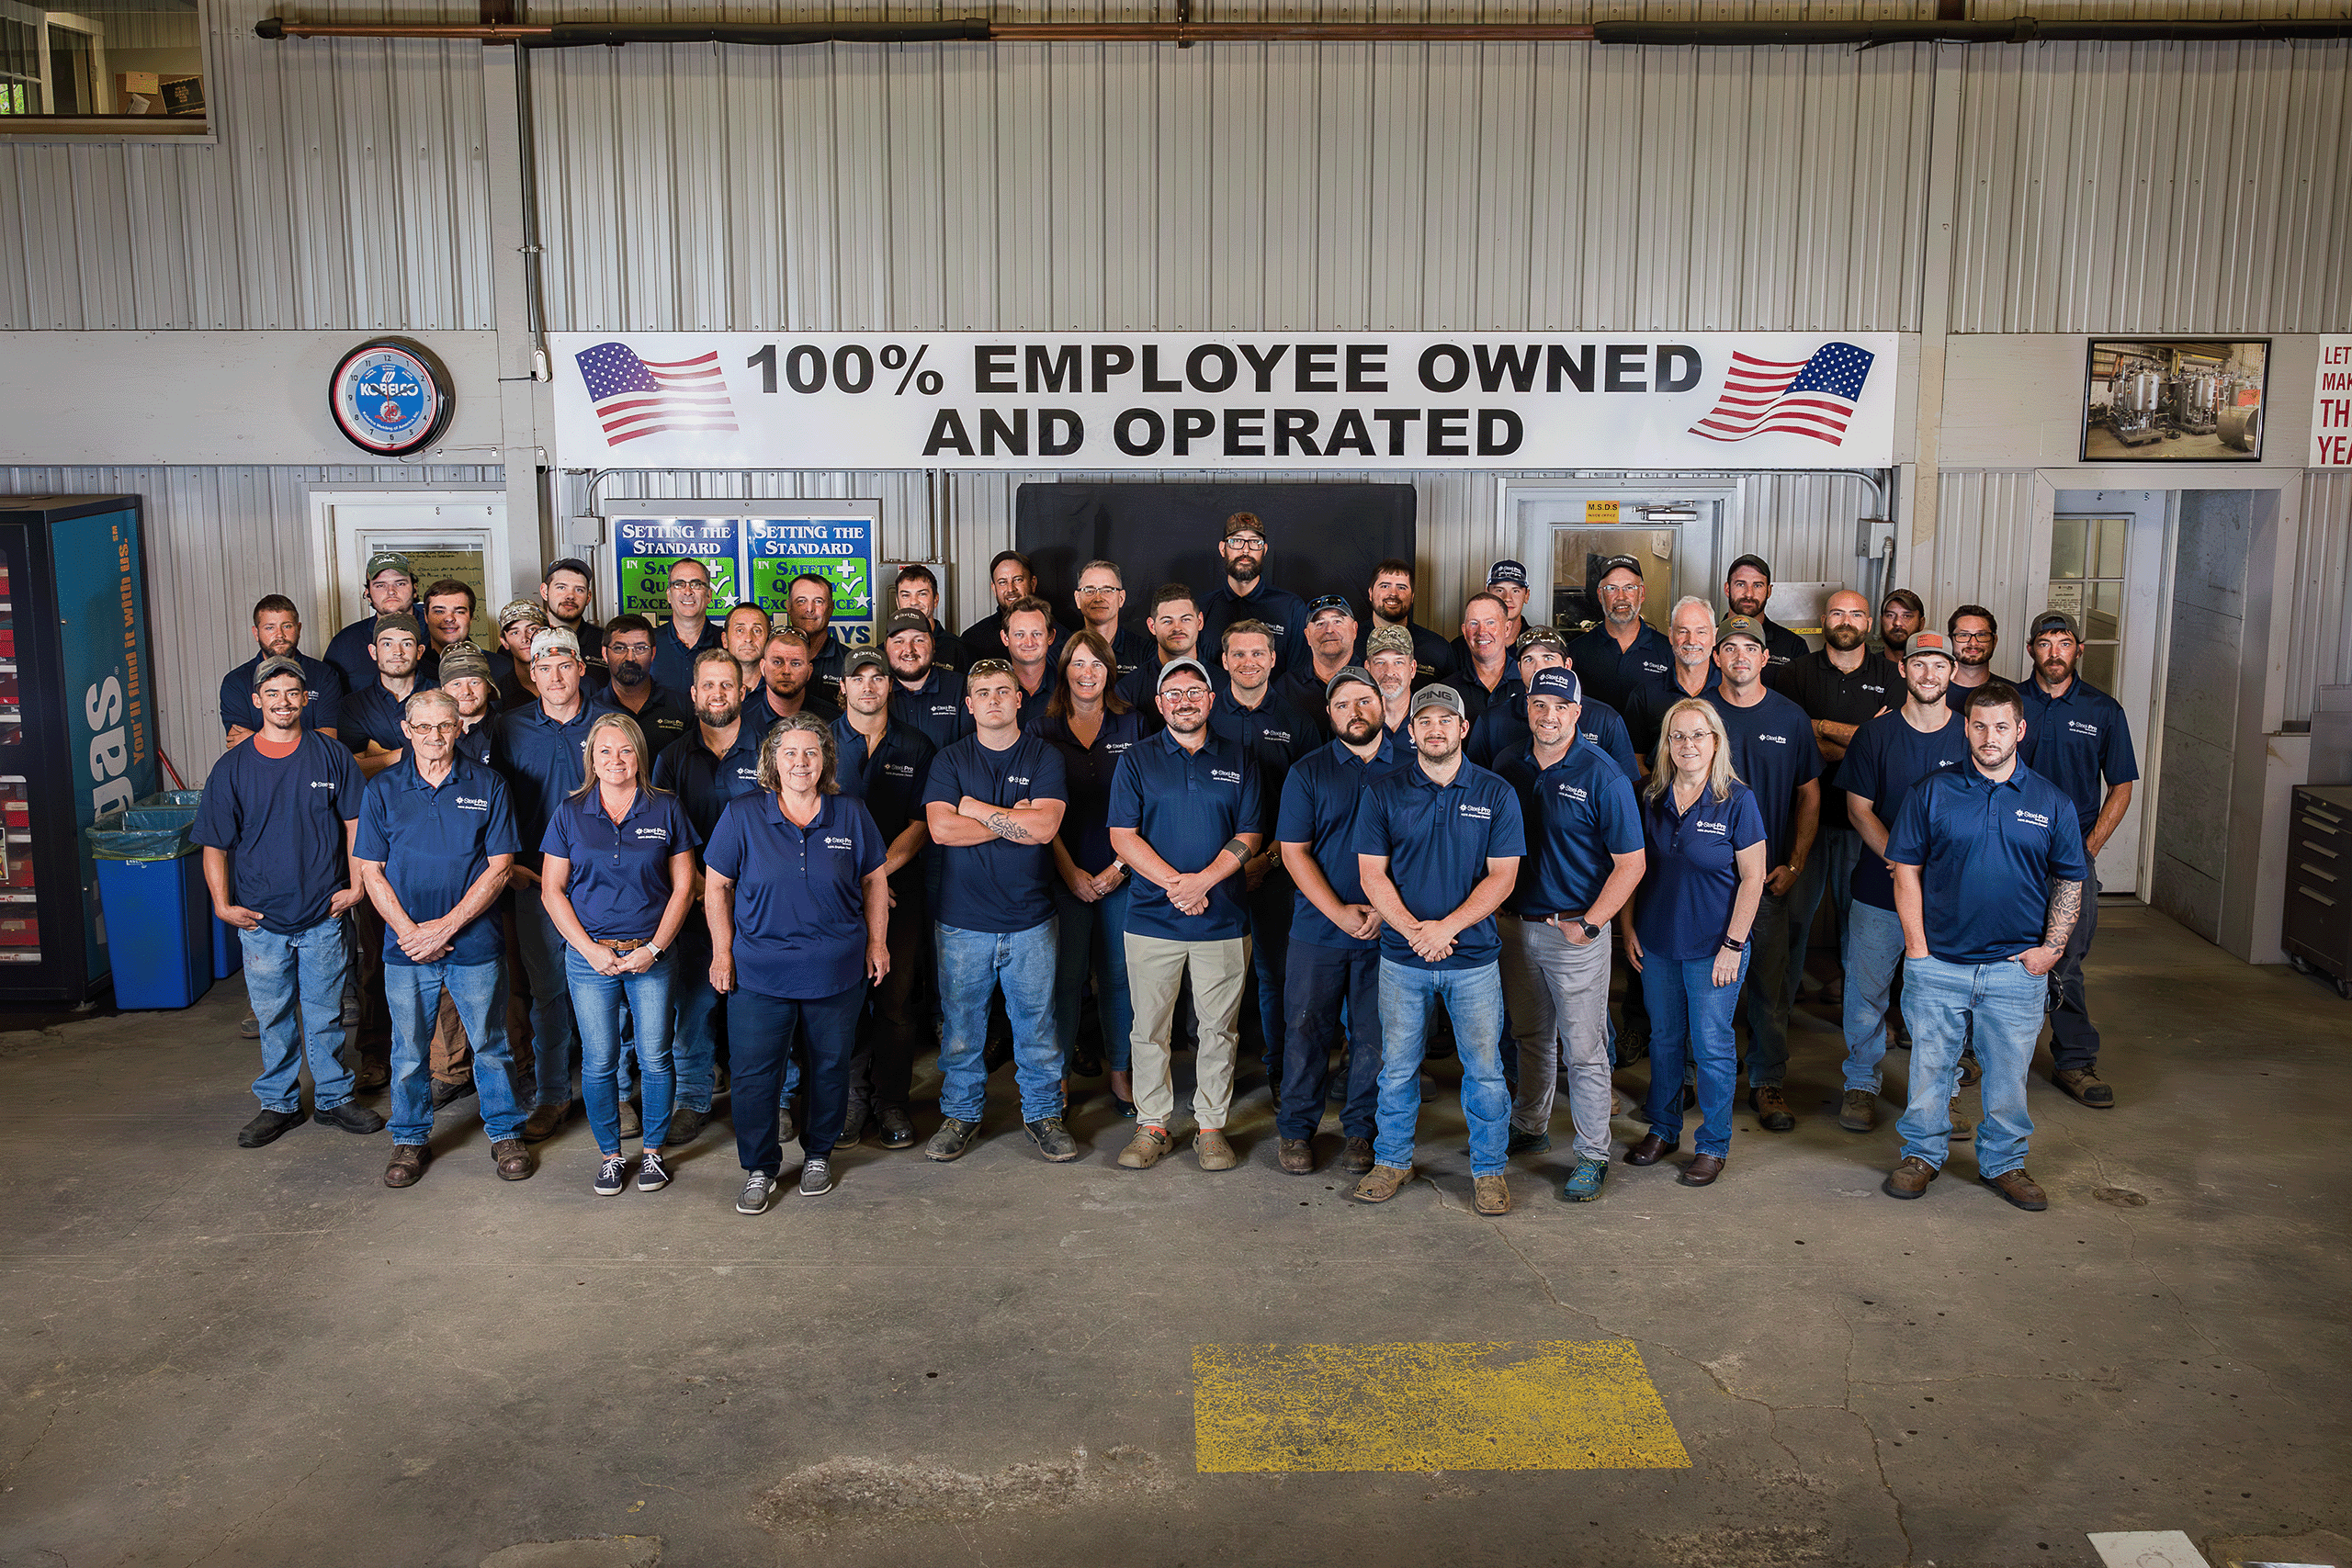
x=1981 y=554
x=2319 y=646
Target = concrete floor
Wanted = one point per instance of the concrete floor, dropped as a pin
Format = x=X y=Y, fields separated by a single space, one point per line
x=229 y=1357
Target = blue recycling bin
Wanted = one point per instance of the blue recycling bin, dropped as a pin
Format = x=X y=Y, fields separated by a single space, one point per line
x=159 y=936
x=228 y=949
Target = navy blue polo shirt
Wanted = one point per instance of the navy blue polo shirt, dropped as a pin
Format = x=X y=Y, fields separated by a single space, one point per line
x=1141 y=685
x=984 y=638
x=1438 y=839
x=1611 y=673
x=1129 y=650
x=1478 y=701
x=1502 y=729
x=1645 y=712
x=666 y=719
x=541 y=762
x=2074 y=739
x=371 y=712
x=1088 y=770
x=620 y=871
x=475 y=743
x=1685 y=899
x=1956 y=697
x=1278 y=607
x=434 y=842
x=800 y=894
x=1577 y=813
x=997 y=885
x=1187 y=805
x=937 y=709
x=1774 y=751
x=1432 y=654
x=673 y=662
x=1318 y=809
x=1274 y=735
x=704 y=780
x=890 y=780
x=1987 y=853
x=1885 y=762
x=281 y=820
x=241 y=708
x=347 y=651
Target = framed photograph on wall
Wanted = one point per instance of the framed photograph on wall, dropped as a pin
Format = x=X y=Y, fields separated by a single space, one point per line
x=2174 y=399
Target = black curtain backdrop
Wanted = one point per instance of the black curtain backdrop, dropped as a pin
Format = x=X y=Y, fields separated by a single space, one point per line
x=1321 y=538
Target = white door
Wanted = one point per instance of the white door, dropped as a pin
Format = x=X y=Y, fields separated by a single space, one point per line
x=2107 y=570
x=460 y=534
x=1567 y=533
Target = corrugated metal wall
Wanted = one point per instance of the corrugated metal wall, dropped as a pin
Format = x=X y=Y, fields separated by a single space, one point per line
x=1983 y=553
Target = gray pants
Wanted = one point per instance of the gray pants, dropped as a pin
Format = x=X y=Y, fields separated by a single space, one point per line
x=1553 y=991
x=1155 y=970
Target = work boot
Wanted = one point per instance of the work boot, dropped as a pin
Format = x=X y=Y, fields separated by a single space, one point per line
x=406 y=1167
x=1380 y=1183
x=543 y=1122
x=1355 y=1156
x=1583 y=1184
x=632 y=1119
x=2083 y=1084
x=267 y=1127
x=1490 y=1195
x=1215 y=1154
x=955 y=1136
x=2019 y=1189
x=1859 y=1112
x=1297 y=1156
x=1053 y=1139
x=447 y=1094
x=685 y=1125
x=350 y=1118
x=1771 y=1108
x=897 y=1133
x=1910 y=1179
x=1143 y=1150
x=514 y=1159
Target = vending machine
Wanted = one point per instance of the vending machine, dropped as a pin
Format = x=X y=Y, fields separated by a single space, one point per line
x=77 y=728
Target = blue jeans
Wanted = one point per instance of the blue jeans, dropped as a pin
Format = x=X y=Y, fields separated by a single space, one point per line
x=294 y=980
x=413 y=992
x=972 y=965
x=1828 y=873
x=1321 y=984
x=759 y=1038
x=1474 y=1001
x=1872 y=957
x=1094 y=940
x=1691 y=1023
x=596 y=1003
x=552 y=1030
x=1940 y=1001
x=2073 y=1038
x=694 y=1026
x=1271 y=910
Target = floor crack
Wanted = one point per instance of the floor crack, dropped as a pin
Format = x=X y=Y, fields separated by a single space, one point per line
x=261 y=1513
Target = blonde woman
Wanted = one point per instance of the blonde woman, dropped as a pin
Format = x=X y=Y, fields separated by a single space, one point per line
x=618 y=881
x=1688 y=939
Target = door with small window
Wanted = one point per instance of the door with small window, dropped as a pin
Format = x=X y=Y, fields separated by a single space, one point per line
x=2106 y=570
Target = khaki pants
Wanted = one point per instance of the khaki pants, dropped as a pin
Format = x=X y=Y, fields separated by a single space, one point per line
x=1156 y=969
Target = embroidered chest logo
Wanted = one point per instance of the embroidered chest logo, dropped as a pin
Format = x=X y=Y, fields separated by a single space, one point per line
x=2035 y=817
x=833 y=843
x=1224 y=775
x=1475 y=813
x=465 y=804
x=1720 y=830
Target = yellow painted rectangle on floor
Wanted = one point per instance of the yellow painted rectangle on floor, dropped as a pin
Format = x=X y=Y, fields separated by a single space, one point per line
x=1549 y=1404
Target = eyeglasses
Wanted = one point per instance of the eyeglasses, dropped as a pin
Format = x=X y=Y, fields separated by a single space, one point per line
x=1185 y=693
x=1971 y=637
x=435 y=728
x=1246 y=541
x=988 y=667
x=1690 y=737
x=1098 y=590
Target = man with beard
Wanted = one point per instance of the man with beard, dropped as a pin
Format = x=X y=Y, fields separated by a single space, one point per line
x=1840 y=688
x=277 y=627
x=916 y=588
x=1392 y=605
x=1623 y=653
x=661 y=714
x=2077 y=737
x=1506 y=580
x=745 y=635
x=787 y=686
x=1175 y=627
x=1330 y=645
x=1900 y=615
x=1391 y=664
x=925 y=694
x=1746 y=588
x=391 y=591
x=564 y=589
x=1974 y=635
x=374 y=717
x=1482 y=658
x=1102 y=599
x=1692 y=655
x=1011 y=578
x=1334 y=961
x=689 y=628
x=706 y=770
x=1247 y=596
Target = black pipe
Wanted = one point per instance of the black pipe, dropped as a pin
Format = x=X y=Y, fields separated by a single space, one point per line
x=2019 y=30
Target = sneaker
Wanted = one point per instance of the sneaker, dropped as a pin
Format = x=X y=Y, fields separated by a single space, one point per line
x=2083 y=1084
x=1858 y=1112
x=267 y=1128
x=817 y=1177
x=632 y=1117
x=651 y=1174
x=447 y=1094
x=1490 y=1195
x=685 y=1125
x=1380 y=1183
x=1053 y=1139
x=1583 y=1184
x=758 y=1188
x=1910 y=1179
x=612 y=1175
x=1296 y=1155
x=955 y=1136
x=543 y=1121
x=350 y=1118
x=1143 y=1151
x=1771 y=1108
x=1355 y=1156
x=897 y=1133
x=2019 y=1189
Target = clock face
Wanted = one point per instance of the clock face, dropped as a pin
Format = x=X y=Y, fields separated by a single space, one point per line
x=392 y=397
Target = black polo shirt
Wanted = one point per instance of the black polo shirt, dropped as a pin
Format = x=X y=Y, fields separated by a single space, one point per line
x=1433 y=655
x=1645 y=711
x=665 y=718
x=891 y=778
x=704 y=780
x=1783 y=648
x=937 y=709
x=1827 y=693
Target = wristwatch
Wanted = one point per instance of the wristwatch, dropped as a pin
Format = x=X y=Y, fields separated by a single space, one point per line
x=654 y=948
x=1590 y=930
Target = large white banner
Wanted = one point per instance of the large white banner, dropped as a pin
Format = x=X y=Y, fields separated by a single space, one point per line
x=2332 y=405
x=1270 y=401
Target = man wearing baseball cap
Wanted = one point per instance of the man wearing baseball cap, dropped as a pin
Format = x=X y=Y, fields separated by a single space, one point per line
x=1623 y=653
x=1389 y=660
x=2077 y=737
x=1747 y=586
x=1246 y=595
x=375 y=716
x=1888 y=757
x=1330 y=648
x=277 y=627
x=1506 y=580
x=1438 y=845
x=1391 y=598
x=391 y=591
x=1502 y=729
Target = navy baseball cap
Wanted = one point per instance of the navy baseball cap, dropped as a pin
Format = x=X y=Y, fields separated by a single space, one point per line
x=1509 y=572
x=1559 y=682
x=1330 y=601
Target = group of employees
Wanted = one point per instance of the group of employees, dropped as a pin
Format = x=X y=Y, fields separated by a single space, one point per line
x=454 y=857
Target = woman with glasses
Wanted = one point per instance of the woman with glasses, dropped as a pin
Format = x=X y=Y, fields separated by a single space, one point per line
x=618 y=881
x=1092 y=725
x=799 y=926
x=1689 y=937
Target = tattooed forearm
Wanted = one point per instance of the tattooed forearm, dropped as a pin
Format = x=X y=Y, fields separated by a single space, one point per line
x=2066 y=909
x=1004 y=827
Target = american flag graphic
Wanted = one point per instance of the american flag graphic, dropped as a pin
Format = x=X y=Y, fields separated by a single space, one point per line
x=1798 y=397
x=638 y=397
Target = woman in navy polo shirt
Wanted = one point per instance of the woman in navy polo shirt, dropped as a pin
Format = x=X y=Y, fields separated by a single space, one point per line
x=799 y=921
x=1688 y=937
x=618 y=884
x=1092 y=725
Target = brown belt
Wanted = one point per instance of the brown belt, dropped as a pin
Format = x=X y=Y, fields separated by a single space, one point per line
x=630 y=945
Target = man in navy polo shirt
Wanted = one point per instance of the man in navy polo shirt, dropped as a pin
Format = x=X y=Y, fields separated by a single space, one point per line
x=1502 y=729
x=925 y=694
x=1507 y=585
x=994 y=801
x=1389 y=662
x=277 y=627
x=2077 y=737
x=915 y=590
x=1691 y=654
x=1888 y=758
x=391 y=591
x=1391 y=596
x=1186 y=817
x=1175 y=627
x=1989 y=878
x=1583 y=858
x=1334 y=960
x=688 y=629
x=1246 y=595
x=373 y=715
x=662 y=715
x=1330 y=648
x=1102 y=597
x=1624 y=651
x=1774 y=751
x=537 y=749
x=282 y=805
x=1438 y=845
x=436 y=837
x=717 y=762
